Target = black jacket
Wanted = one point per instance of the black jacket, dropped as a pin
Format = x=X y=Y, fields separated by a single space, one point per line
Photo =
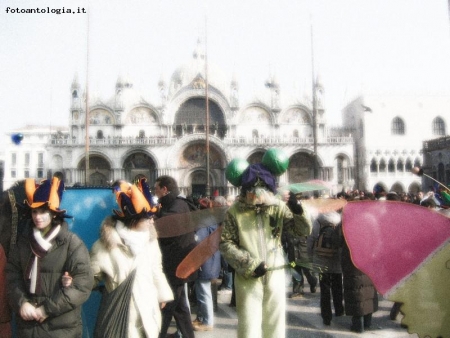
x=175 y=249
x=360 y=295
x=62 y=305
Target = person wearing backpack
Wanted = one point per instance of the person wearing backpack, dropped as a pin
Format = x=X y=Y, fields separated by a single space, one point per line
x=326 y=250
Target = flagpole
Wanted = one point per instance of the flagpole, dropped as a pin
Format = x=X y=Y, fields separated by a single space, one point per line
x=86 y=171
x=314 y=108
x=208 y=188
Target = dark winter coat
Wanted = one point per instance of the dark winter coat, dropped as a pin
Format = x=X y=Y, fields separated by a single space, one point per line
x=211 y=268
x=360 y=296
x=175 y=249
x=62 y=305
x=297 y=248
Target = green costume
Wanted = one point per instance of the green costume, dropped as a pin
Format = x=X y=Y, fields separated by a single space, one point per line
x=251 y=235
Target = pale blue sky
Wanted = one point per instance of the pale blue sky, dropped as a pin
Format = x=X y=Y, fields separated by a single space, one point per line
x=382 y=46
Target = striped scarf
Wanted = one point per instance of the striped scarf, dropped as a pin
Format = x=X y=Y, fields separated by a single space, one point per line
x=40 y=247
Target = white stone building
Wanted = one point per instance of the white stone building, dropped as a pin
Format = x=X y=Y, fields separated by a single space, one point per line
x=29 y=158
x=132 y=134
x=389 y=132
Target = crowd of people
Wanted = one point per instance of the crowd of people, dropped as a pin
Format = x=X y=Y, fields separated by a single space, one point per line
x=50 y=273
x=436 y=197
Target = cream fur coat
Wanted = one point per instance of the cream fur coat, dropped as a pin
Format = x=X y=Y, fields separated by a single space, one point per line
x=118 y=251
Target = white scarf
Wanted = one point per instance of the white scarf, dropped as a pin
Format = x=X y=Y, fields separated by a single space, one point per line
x=45 y=245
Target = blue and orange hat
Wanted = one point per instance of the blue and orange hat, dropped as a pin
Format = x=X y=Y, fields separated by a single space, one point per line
x=48 y=193
x=135 y=200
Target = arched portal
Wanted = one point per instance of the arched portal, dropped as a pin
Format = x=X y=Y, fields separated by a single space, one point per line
x=198 y=183
x=193 y=161
x=191 y=117
x=99 y=170
x=139 y=163
x=301 y=168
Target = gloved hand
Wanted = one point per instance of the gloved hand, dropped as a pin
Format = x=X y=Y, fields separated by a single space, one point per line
x=294 y=204
x=260 y=270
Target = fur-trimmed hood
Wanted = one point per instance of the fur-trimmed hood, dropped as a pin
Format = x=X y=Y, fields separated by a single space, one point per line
x=110 y=237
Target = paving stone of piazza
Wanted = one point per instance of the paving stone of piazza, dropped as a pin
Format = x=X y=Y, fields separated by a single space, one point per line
x=304 y=320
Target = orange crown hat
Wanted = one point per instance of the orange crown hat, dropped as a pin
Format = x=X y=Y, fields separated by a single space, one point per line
x=47 y=193
x=142 y=184
x=132 y=202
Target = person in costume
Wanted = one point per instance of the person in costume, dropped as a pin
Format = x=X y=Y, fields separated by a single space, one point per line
x=45 y=252
x=174 y=250
x=251 y=244
x=128 y=252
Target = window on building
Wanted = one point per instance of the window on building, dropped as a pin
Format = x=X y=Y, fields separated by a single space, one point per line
x=13 y=159
x=295 y=133
x=400 y=165
x=408 y=165
x=438 y=126
x=26 y=174
x=40 y=173
x=99 y=134
x=13 y=174
x=391 y=165
x=255 y=133
x=27 y=159
x=398 y=126
x=382 y=167
x=40 y=159
x=141 y=133
x=373 y=166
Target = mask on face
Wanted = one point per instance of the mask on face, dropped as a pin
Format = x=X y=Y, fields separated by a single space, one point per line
x=259 y=195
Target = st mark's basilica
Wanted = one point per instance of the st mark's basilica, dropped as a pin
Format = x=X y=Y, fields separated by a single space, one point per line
x=130 y=134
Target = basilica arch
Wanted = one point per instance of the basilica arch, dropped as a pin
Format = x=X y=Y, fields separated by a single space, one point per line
x=139 y=163
x=301 y=167
x=99 y=173
x=296 y=122
x=192 y=161
x=191 y=116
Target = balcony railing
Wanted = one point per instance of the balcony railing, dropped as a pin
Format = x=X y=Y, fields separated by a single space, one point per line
x=118 y=141
x=115 y=141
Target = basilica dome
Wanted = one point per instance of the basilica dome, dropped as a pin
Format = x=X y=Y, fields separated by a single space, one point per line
x=193 y=72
